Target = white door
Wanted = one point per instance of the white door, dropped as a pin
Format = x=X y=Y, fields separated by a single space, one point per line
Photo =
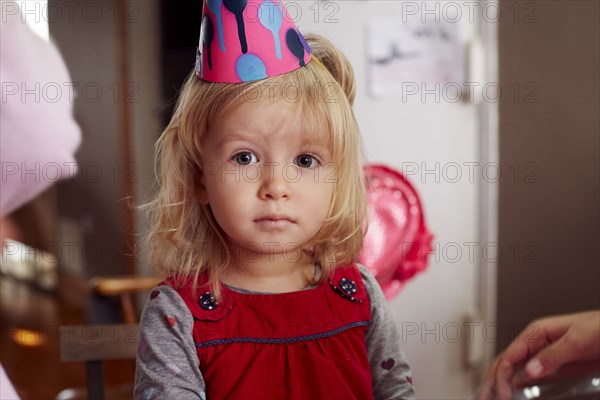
x=442 y=146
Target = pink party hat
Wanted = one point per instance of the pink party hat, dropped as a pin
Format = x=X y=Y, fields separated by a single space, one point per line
x=247 y=40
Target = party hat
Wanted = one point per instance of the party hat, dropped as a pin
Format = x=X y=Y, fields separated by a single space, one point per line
x=247 y=40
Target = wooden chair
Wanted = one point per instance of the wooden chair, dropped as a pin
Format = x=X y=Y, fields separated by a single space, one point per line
x=125 y=288
x=95 y=343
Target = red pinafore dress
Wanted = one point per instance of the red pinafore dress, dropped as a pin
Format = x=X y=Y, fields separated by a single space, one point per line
x=308 y=344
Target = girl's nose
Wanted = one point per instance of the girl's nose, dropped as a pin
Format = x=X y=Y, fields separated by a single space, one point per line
x=273 y=186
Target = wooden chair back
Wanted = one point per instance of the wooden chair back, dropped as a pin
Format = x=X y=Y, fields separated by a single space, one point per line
x=125 y=288
x=95 y=343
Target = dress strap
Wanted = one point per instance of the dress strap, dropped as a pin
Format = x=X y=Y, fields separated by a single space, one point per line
x=201 y=301
x=348 y=283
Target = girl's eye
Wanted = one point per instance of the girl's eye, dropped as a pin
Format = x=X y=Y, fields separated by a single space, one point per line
x=307 y=161
x=245 y=158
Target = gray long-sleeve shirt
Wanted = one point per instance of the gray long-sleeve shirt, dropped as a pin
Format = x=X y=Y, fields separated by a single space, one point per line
x=168 y=366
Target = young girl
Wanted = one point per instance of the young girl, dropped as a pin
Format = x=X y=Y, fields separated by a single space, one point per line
x=257 y=222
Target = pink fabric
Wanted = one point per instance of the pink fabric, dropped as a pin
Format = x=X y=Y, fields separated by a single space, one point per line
x=38 y=134
x=266 y=44
x=7 y=392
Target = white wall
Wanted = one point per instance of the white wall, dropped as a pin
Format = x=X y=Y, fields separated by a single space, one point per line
x=397 y=132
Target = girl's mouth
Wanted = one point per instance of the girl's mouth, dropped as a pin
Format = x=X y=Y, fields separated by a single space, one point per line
x=274 y=222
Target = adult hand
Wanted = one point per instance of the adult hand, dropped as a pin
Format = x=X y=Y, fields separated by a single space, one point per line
x=571 y=341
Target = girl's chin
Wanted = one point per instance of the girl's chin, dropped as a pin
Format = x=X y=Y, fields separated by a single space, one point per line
x=275 y=246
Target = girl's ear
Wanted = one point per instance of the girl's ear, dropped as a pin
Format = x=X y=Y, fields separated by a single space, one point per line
x=202 y=194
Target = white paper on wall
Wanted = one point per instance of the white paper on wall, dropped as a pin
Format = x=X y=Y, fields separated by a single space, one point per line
x=409 y=54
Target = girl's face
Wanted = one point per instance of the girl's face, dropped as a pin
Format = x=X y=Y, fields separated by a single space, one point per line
x=269 y=182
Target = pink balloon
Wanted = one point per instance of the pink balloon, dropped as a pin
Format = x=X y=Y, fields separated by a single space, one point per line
x=397 y=242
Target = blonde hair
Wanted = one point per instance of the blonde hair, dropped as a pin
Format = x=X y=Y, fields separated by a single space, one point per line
x=184 y=238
